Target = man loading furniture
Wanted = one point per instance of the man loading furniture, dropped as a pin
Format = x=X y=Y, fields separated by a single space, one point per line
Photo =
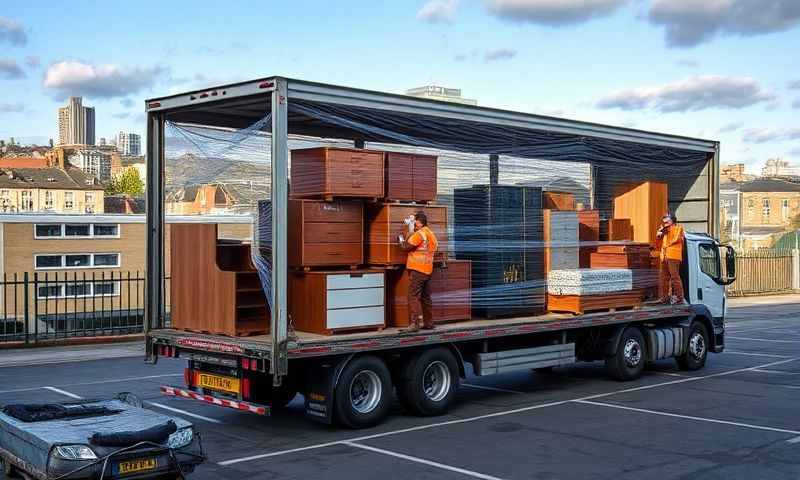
x=421 y=245
x=670 y=240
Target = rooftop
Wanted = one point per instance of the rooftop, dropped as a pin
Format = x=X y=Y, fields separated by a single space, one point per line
x=50 y=178
x=768 y=185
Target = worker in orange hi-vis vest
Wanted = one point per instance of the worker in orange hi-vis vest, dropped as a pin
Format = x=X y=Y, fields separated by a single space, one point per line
x=670 y=240
x=421 y=244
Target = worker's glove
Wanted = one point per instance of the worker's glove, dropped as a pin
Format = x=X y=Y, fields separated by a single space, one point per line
x=409 y=221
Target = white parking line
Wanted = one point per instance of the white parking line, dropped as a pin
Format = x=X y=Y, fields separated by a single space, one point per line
x=183 y=412
x=763 y=339
x=63 y=392
x=762 y=329
x=497 y=414
x=442 y=466
x=690 y=417
x=757 y=354
x=777 y=372
x=97 y=382
x=493 y=389
x=793 y=440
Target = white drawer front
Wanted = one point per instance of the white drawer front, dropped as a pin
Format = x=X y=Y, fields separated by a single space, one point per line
x=347 y=280
x=356 y=297
x=355 y=317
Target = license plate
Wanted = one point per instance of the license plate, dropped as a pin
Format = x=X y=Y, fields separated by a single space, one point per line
x=218 y=382
x=138 y=465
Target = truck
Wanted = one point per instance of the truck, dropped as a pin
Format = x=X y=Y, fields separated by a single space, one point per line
x=349 y=378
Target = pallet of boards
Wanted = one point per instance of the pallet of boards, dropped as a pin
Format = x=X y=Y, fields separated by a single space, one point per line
x=328 y=172
x=214 y=287
x=580 y=304
x=384 y=222
x=337 y=301
x=325 y=234
x=450 y=291
x=410 y=177
x=633 y=256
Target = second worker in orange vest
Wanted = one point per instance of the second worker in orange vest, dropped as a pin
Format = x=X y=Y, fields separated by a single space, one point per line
x=670 y=241
x=421 y=245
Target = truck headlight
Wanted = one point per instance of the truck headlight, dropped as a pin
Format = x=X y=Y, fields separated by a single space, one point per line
x=181 y=438
x=75 y=452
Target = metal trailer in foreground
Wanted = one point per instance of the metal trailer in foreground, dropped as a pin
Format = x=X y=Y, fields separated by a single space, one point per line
x=350 y=377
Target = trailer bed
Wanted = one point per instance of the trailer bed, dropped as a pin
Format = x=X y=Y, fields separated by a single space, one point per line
x=303 y=344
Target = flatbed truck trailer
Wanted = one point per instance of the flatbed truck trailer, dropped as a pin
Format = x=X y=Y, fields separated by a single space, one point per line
x=350 y=378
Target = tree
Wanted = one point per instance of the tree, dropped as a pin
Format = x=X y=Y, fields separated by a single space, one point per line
x=128 y=182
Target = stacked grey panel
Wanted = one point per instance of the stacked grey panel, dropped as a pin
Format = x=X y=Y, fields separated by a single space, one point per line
x=586 y=281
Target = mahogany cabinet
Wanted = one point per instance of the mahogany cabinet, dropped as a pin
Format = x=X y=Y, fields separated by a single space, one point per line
x=619 y=229
x=328 y=302
x=410 y=177
x=451 y=292
x=644 y=205
x=214 y=287
x=328 y=172
x=325 y=233
x=385 y=223
x=588 y=235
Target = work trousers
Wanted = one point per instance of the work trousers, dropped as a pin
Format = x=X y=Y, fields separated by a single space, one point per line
x=419 y=299
x=670 y=277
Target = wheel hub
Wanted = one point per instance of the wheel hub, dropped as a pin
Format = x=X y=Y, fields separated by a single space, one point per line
x=365 y=391
x=697 y=346
x=632 y=352
x=436 y=381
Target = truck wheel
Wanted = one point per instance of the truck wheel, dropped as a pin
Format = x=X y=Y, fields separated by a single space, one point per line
x=363 y=395
x=628 y=362
x=430 y=382
x=696 y=348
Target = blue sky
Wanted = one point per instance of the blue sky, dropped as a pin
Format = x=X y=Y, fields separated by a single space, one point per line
x=723 y=70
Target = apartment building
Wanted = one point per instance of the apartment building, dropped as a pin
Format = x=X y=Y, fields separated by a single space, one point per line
x=766 y=208
x=76 y=123
x=129 y=144
x=27 y=190
x=94 y=162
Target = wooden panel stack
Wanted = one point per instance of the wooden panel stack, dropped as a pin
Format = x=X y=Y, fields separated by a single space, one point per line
x=643 y=204
x=329 y=302
x=451 y=288
x=561 y=240
x=384 y=222
x=328 y=172
x=325 y=234
x=558 y=201
x=632 y=256
x=214 y=288
x=580 y=304
x=410 y=177
x=588 y=235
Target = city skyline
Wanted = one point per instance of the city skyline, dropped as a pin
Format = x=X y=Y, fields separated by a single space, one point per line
x=714 y=73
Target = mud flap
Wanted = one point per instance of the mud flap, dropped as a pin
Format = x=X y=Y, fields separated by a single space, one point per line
x=321 y=378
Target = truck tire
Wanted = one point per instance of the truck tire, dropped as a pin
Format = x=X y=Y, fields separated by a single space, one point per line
x=696 y=348
x=429 y=382
x=363 y=394
x=628 y=362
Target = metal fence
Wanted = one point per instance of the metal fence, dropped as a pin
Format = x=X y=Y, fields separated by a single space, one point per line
x=765 y=271
x=44 y=306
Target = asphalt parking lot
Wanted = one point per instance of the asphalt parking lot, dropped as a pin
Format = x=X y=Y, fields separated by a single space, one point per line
x=737 y=418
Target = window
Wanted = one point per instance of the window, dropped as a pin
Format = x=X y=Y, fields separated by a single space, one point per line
x=49 y=261
x=77 y=290
x=765 y=207
x=785 y=208
x=106 y=230
x=69 y=200
x=89 y=199
x=80 y=230
x=48 y=230
x=751 y=207
x=49 y=291
x=48 y=200
x=709 y=260
x=77 y=260
x=27 y=201
x=106 y=288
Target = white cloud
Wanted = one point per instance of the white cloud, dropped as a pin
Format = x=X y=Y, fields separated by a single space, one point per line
x=10 y=70
x=698 y=92
x=438 y=11
x=692 y=22
x=730 y=127
x=98 y=81
x=499 y=54
x=12 y=32
x=11 y=107
x=765 y=135
x=553 y=12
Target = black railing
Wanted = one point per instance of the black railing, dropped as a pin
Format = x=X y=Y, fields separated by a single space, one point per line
x=62 y=305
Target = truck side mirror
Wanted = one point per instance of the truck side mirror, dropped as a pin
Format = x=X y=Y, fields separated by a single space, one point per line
x=730 y=265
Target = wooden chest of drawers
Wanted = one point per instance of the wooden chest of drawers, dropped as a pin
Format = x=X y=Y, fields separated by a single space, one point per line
x=335 y=301
x=385 y=222
x=410 y=177
x=588 y=235
x=451 y=291
x=328 y=172
x=325 y=233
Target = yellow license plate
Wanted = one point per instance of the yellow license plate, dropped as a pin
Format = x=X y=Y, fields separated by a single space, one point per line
x=138 y=465
x=218 y=382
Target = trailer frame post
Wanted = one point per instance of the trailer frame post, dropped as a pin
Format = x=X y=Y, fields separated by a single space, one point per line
x=154 y=279
x=280 y=195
